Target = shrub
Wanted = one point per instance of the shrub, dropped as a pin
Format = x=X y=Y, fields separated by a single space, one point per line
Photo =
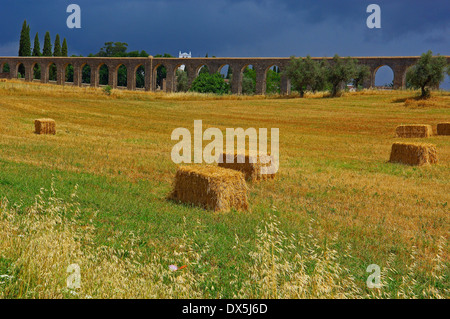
x=107 y=90
x=210 y=83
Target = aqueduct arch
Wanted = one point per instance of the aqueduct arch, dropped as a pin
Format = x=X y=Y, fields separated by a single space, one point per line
x=399 y=65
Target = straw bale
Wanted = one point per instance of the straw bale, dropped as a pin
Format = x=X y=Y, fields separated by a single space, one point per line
x=413 y=154
x=443 y=128
x=254 y=170
x=45 y=126
x=415 y=130
x=210 y=187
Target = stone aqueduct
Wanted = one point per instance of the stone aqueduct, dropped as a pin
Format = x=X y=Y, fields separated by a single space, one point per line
x=399 y=66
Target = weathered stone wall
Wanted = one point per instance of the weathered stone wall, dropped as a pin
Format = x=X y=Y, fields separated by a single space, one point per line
x=399 y=65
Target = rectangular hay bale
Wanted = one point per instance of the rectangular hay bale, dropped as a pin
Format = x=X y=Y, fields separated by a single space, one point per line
x=44 y=126
x=416 y=154
x=443 y=128
x=253 y=170
x=210 y=187
x=415 y=130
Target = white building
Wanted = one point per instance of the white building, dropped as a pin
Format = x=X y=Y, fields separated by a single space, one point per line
x=184 y=55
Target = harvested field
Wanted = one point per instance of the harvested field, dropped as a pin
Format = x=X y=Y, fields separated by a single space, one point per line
x=335 y=189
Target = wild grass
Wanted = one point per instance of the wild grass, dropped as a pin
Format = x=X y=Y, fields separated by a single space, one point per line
x=336 y=203
x=38 y=246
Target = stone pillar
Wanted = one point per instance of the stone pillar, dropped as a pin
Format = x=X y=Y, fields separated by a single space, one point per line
x=45 y=72
x=260 y=82
x=131 y=77
x=13 y=66
x=191 y=75
x=60 y=74
x=236 y=82
x=94 y=75
x=371 y=80
x=170 y=78
x=148 y=76
x=285 y=85
x=154 y=77
x=77 y=75
x=29 y=72
x=399 y=77
x=112 y=75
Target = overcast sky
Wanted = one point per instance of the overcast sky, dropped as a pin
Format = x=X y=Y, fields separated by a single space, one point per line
x=236 y=28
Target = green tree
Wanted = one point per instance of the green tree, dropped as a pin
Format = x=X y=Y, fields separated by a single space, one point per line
x=362 y=73
x=204 y=69
x=210 y=83
x=248 y=81
x=340 y=72
x=182 y=81
x=273 y=81
x=64 y=49
x=37 y=46
x=25 y=41
x=57 y=46
x=113 y=49
x=37 y=52
x=320 y=83
x=47 y=51
x=303 y=74
x=427 y=72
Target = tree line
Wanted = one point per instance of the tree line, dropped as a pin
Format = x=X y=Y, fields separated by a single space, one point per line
x=308 y=74
x=25 y=49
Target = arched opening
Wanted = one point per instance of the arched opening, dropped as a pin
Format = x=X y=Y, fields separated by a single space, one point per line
x=68 y=73
x=52 y=72
x=227 y=73
x=36 y=71
x=21 y=71
x=122 y=76
x=181 y=78
x=85 y=74
x=273 y=80
x=5 y=68
x=103 y=74
x=384 y=78
x=140 y=77
x=202 y=69
x=445 y=85
x=160 y=73
x=248 y=80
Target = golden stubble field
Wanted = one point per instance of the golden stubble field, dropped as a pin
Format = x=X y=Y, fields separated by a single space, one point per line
x=333 y=154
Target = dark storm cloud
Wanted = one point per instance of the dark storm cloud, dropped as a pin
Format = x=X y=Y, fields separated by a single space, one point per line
x=236 y=27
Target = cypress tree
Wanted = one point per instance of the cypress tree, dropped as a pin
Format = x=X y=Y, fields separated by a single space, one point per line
x=25 y=42
x=47 y=51
x=57 y=46
x=37 y=46
x=64 y=50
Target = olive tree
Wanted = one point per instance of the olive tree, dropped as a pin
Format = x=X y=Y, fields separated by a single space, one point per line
x=340 y=71
x=427 y=72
